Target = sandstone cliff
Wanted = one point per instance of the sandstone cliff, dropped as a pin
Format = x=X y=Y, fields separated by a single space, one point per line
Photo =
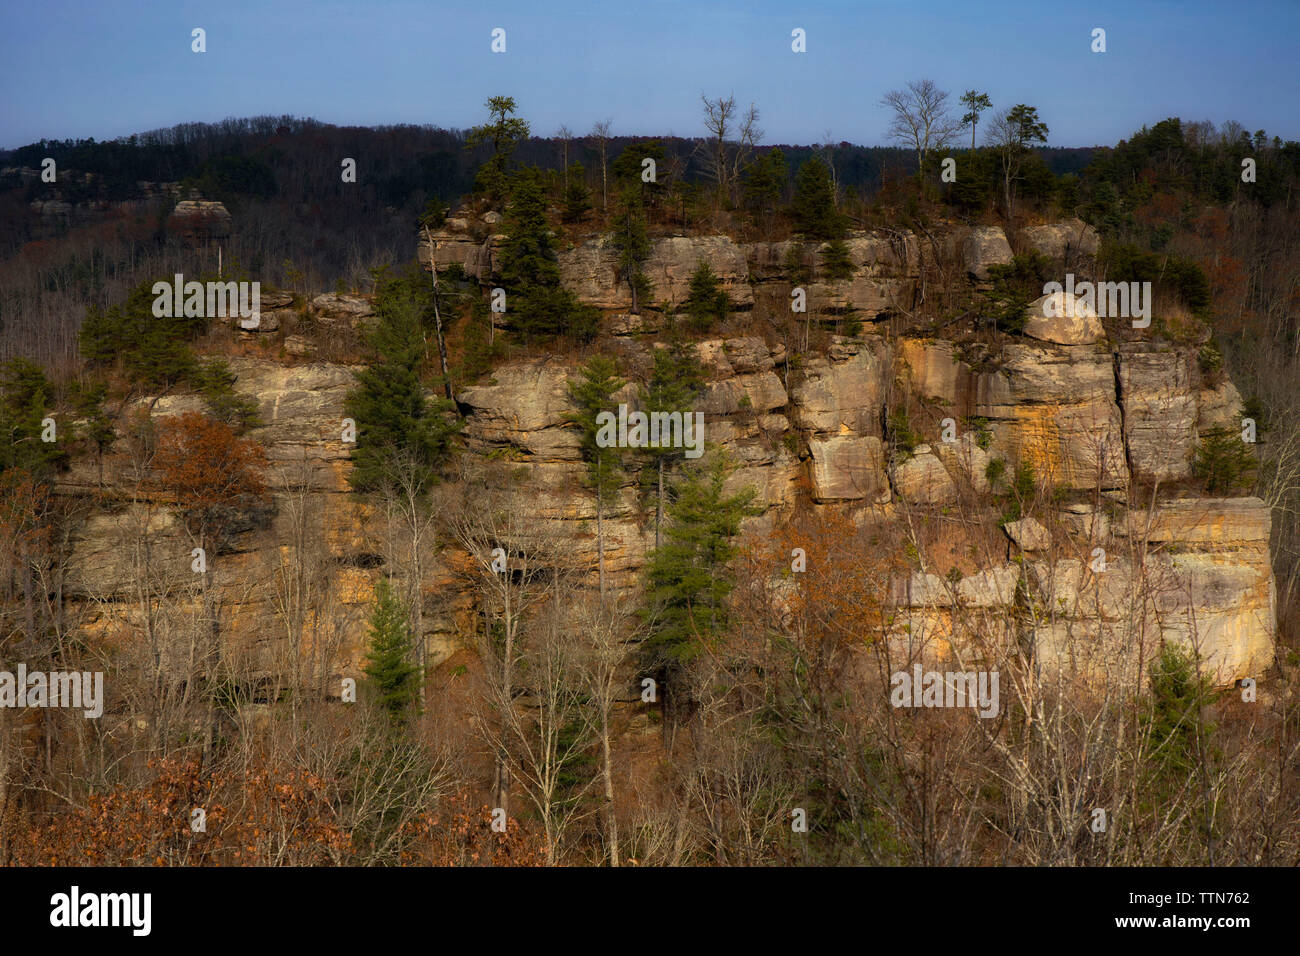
x=1119 y=552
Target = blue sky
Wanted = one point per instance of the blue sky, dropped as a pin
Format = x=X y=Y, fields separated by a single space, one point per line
x=106 y=68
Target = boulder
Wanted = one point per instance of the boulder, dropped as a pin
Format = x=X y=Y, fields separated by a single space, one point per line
x=1028 y=534
x=261 y=322
x=964 y=457
x=298 y=346
x=922 y=479
x=1063 y=318
x=335 y=306
x=1086 y=522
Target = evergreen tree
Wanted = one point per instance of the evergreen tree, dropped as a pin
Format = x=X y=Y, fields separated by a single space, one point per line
x=816 y=215
x=836 y=263
x=675 y=385
x=629 y=169
x=538 y=305
x=215 y=382
x=632 y=242
x=1181 y=741
x=394 y=418
x=688 y=583
x=25 y=396
x=388 y=664
x=764 y=184
x=577 y=197
x=504 y=132
x=98 y=430
x=154 y=350
x=706 y=301
x=591 y=395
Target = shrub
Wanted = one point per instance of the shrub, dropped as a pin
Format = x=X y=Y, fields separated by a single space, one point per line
x=836 y=264
x=901 y=434
x=983 y=434
x=1015 y=286
x=1223 y=462
x=1210 y=359
x=994 y=470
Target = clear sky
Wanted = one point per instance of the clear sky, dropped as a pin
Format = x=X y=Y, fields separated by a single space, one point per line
x=107 y=68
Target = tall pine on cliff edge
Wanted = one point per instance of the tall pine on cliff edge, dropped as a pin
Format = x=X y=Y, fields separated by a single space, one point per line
x=396 y=421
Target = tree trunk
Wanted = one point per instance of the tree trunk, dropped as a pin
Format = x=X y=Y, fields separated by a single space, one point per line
x=611 y=821
x=437 y=319
x=600 y=535
x=659 y=509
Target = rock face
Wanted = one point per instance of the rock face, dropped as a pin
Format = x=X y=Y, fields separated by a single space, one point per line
x=1071 y=241
x=198 y=221
x=1160 y=411
x=846 y=390
x=848 y=468
x=1054 y=408
x=934 y=369
x=1028 y=534
x=1088 y=581
x=985 y=246
x=591 y=270
x=1218 y=596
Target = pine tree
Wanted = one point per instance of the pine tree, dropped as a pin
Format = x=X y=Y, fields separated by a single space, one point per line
x=765 y=181
x=836 y=262
x=592 y=395
x=388 y=665
x=504 y=132
x=675 y=384
x=632 y=242
x=688 y=582
x=814 y=202
x=25 y=396
x=538 y=305
x=394 y=417
x=706 y=301
x=577 y=197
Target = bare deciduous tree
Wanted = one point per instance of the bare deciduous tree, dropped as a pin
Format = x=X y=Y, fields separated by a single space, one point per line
x=600 y=132
x=921 y=118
